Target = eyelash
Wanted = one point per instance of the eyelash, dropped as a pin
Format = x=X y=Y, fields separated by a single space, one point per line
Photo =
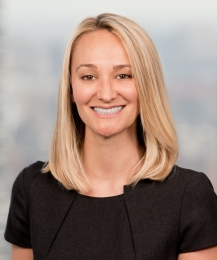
x=126 y=76
x=87 y=77
x=120 y=76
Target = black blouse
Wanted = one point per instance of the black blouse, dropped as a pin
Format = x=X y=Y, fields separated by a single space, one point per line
x=154 y=220
x=94 y=228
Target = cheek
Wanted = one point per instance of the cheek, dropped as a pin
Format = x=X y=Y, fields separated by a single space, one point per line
x=130 y=94
x=81 y=95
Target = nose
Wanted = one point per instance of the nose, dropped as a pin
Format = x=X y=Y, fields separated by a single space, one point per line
x=106 y=90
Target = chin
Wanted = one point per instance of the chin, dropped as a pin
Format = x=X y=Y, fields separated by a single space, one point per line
x=107 y=132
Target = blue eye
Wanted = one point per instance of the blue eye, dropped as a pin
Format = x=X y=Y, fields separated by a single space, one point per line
x=88 y=77
x=124 y=76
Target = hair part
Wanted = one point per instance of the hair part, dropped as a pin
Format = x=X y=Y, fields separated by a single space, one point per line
x=155 y=128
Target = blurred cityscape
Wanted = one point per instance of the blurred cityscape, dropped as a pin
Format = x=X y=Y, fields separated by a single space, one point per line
x=30 y=67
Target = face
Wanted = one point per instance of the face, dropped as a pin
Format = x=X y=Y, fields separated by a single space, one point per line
x=103 y=86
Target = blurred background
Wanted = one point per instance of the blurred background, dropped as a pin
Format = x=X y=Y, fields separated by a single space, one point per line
x=33 y=37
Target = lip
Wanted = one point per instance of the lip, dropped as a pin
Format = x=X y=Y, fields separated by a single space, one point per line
x=108 y=107
x=107 y=115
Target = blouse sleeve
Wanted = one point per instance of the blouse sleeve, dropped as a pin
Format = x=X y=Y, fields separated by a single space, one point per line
x=17 y=229
x=198 y=228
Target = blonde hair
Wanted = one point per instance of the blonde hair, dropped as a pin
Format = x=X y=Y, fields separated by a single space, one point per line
x=155 y=128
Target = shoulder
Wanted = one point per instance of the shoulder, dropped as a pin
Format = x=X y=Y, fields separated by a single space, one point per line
x=197 y=190
x=198 y=225
x=182 y=209
x=184 y=203
x=29 y=174
x=28 y=177
x=183 y=178
x=32 y=171
x=17 y=229
x=176 y=183
x=187 y=174
x=193 y=186
x=182 y=188
x=191 y=180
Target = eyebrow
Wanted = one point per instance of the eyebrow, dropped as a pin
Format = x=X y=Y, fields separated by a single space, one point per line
x=121 y=66
x=87 y=65
x=95 y=67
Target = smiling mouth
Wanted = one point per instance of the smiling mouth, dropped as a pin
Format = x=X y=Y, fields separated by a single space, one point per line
x=108 y=111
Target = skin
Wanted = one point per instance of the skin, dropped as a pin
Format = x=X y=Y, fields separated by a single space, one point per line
x=19 y=253
x=110 y=146
x=205 y=254
x=102 y=78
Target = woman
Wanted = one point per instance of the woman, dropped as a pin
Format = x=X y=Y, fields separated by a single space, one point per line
x=111 y=189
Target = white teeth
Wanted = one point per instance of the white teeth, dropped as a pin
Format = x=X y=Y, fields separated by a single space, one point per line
x=108 y=111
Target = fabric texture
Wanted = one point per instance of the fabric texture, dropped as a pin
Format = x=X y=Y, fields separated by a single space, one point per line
x=99 y=229
x=165 y=218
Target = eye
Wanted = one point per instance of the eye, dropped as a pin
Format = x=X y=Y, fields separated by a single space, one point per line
x=124 y=76
x=88 y=77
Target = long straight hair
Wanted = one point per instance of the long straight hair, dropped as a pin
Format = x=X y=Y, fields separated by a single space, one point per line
x=155 y=128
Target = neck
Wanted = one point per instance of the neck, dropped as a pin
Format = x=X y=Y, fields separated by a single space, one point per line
x=110 y=162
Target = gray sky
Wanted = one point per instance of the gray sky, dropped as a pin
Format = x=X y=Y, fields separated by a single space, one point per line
x=149 y=9
x=49 y=17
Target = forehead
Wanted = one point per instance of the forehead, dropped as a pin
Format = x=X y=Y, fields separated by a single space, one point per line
x=100 y=43
x=98 y=36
